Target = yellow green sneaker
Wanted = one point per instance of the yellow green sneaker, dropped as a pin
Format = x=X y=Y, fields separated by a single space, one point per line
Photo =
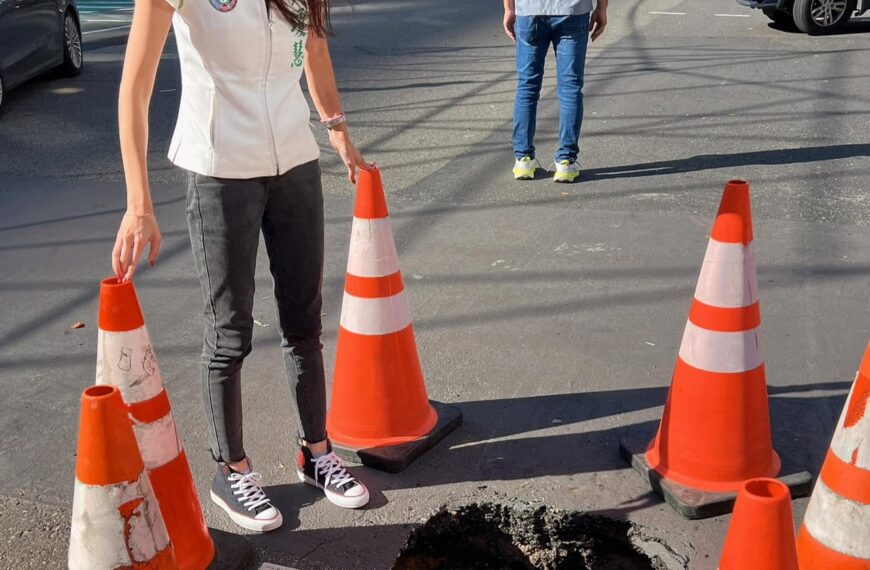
x=524 y=168
x=566 y=171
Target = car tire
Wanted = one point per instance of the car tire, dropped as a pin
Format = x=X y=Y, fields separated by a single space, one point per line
x=2 y=94
x=73 y=56
x=781 y=18
x=819 y=17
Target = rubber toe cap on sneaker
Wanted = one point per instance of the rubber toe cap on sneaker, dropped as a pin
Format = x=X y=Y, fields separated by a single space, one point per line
x=268 y=514
x=354 y=498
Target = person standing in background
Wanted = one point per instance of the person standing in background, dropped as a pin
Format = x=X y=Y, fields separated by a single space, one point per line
x=533 y=25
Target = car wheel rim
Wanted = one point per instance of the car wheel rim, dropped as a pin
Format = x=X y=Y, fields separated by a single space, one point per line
x=826 y=13
x=73 y=41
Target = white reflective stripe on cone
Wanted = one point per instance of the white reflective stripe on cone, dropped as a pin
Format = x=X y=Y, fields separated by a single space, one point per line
x=127 y=360
x=158 y=441
x=372 y=249
x=849 y=440
x=375 y=316
x=721 y=283
x=98 y=540
x=838 y=523
x=715 y=351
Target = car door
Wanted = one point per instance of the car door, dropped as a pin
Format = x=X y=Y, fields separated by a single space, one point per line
x=44 y=19
x=13 y=44
x=28 y=37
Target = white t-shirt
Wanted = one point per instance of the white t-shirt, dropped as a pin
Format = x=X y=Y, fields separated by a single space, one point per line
x=553 y=7
x=242 y=113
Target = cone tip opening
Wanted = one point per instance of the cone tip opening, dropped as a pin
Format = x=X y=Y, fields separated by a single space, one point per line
x=114 y=282
x=371 y=203
x=765 y=489
x=119 y=309
x=369 y=176
x=734 y=219
x=99 y=392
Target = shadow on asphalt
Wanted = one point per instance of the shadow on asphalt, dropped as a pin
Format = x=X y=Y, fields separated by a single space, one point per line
x=479 y=452
x=292 y=498
x=741 y=159
x=340 y=548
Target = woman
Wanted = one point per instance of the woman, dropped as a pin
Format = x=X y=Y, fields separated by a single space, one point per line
x=243 y=136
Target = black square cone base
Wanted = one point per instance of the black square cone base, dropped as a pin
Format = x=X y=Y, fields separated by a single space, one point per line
x=231 y=551
x=694 y=503
x=395 y=458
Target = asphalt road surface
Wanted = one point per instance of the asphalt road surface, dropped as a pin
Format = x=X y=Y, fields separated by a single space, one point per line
x=550 y=314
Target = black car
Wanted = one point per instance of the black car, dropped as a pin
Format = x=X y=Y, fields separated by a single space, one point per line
x=35 y=36
x=815 y=17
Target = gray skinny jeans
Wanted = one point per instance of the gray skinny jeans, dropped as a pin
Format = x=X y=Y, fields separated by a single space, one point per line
x=225 y=218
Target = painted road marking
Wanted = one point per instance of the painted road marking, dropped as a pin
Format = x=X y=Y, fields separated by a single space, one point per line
x=93 y=6
x=105 y=12
x=105 y=30
x=659 y=13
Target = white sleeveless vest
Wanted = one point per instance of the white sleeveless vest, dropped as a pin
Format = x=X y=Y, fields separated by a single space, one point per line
x=242 y=113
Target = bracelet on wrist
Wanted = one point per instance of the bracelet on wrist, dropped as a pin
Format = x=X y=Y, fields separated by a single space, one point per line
x=335 y=121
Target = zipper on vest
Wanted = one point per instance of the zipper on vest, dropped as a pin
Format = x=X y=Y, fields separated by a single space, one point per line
x=266 y=91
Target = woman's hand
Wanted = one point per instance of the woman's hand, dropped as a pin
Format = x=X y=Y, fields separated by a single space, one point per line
x=350 y=156
x=135 y=233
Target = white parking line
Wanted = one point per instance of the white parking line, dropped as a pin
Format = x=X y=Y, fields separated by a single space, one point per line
x=669 y=13
x=87 y=21
x=105 y=30
x=105 y=11
x=732 y=15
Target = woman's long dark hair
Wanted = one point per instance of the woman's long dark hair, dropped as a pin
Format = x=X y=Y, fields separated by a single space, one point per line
x=310 y=14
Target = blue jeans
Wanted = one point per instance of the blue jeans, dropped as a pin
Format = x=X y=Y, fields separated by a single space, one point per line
x=569 y=36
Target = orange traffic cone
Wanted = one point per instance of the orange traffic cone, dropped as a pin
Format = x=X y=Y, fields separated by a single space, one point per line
x=125 y=358
x=761 y=533
x=715 y=430
x=115 y=519
x=380 y=413
x=835 y=534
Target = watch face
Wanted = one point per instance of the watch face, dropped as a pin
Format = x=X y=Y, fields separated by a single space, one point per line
x=223 y=5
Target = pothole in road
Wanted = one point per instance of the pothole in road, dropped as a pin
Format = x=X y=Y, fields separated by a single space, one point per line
x=490 y=536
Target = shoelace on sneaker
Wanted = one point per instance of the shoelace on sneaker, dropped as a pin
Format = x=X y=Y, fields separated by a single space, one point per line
x=333 y=471
x=248 y=490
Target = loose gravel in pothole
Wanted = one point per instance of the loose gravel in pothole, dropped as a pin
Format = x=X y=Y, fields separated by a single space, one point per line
x=490 y=536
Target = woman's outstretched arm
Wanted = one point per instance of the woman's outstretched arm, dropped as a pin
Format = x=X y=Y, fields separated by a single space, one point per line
x=150 y=27
x=324 y=93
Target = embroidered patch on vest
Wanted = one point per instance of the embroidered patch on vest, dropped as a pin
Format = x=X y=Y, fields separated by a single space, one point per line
x=223 y=5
